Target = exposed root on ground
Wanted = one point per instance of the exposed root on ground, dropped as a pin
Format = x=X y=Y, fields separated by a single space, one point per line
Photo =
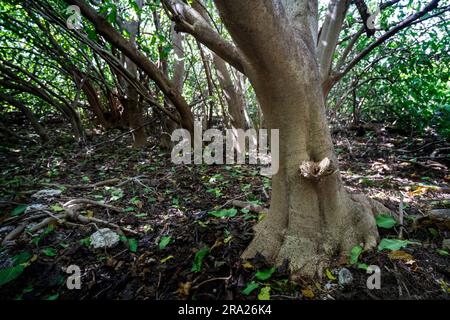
x=249 y=206
x=71 y=213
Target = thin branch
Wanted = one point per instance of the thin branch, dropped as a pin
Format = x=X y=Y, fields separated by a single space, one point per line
x=402 y=25
x=188 y=20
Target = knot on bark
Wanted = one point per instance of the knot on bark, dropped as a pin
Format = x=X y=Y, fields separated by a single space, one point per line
x=317 y=170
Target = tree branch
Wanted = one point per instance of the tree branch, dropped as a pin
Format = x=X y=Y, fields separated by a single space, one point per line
x=329 y=35
x=125 y=46
x=188 y=20
x=402 y=25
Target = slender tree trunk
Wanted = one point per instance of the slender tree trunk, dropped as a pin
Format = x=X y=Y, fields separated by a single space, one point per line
x=234 y=97
x=126 y=47
x=355 y=107
x=312 y=218
x=209 y=85
x=28 y=113
x=168 y=124
x=132 y=107
x=178 y=67
x=93 y=99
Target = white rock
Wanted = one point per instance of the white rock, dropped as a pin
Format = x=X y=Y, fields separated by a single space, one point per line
x=46 y=193
x=5 y=230
x=345 y=277
x=104 y=238
x=446 y=244
x=328 y=286
x=36 y=207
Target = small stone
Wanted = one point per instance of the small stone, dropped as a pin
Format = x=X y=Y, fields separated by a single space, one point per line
x=46 y=193
x=5 y=230
x=5 y=260
x=446 y=244
x=345 y=277
x=440 y=213
x=104 y=238
x=36 y=207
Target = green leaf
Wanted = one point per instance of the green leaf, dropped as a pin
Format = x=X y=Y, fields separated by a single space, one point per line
x=140 y=215
x=135 y=6
x=354 y=254
x=151 y=199
x=49 y=252
x=198 y=259
x=224 y=213
x=442 y=252
x=57 y=208
x=92 y=34
x=86 y=241
x=18 y=210
x=22 y=257
x=330 y=275
x=250 y=287
x=264 y=294
x=112 y=15
x=394 y=244
x=53 y=297
x=433 y=232
x=362 y=266
x=164 y=242
x=385 y=221
x=133 y=244
x=166 y=259
x=265 y=274
x=11 y=273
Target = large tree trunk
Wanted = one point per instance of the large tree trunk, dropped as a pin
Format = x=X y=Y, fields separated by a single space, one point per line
x=311 y=219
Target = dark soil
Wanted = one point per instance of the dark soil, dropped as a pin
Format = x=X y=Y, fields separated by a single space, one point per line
x=175 y=201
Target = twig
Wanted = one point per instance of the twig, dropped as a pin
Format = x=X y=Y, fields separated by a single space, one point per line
x=70 y=208
x=79 y=201
x=44 y=223
x=84 y=186
x=265 y=192
x=400 y=218
x=250 y=206
x=229 y=201
x=210 y=280
x=15 y=233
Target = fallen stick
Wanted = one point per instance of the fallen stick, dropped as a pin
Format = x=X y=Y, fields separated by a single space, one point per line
x=47 y=221
x=70 y=208
x=84 y=186
x=98 y=184
x=79 y=201
x=249 y=206
x=15 y=233
x=400 y=218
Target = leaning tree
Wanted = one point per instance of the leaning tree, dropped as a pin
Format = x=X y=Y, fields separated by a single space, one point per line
x=288 y=59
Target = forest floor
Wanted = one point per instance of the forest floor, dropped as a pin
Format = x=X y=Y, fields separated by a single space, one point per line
x=175 y=214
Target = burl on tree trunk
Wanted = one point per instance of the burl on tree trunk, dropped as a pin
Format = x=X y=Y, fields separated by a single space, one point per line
x=312 y=219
